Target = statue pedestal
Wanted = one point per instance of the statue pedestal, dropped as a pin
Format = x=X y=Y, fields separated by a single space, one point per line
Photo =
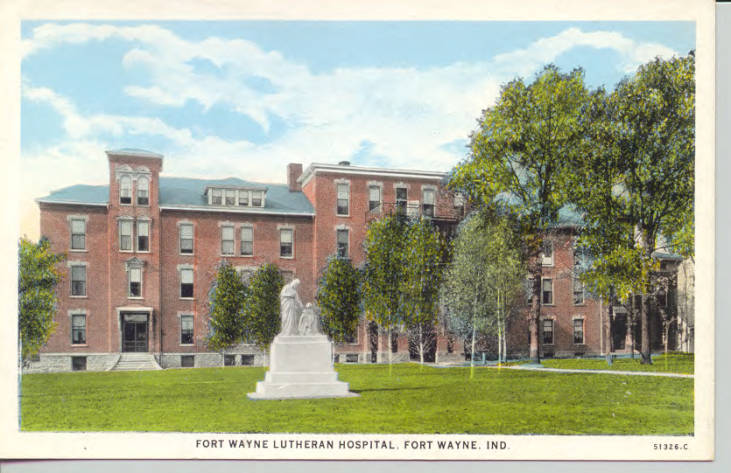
x=300 y=367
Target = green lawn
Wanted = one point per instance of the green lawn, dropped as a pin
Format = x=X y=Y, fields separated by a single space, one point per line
x=413 y=399
x=672 y=363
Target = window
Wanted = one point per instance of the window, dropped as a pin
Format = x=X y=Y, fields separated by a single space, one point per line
x=125 y=190
x=187 y=361
x=247 y=241
x=428 y=203
x=230 y=197
x=186 y=329
x=186 y=239
x=343 y=198
x=401 y=200
x=244 y=198
x=78 y=363
x=78 y=329
x=125 y=235
x=143 y=191
x=394 y=342
x=216 y=197
x=78 y=280
x=547 y=253
x=548 y=332
x=227 y=240
x=78 y=234
x=229 y=360
x=342 y=238
x=143 y=235
x=186 y=283
x=257 y=199
x=578 y=291
x=285 y=243
x=578 y=331
x=374 y=199
x=247 y=359
x=547 y=291
x=135 y=282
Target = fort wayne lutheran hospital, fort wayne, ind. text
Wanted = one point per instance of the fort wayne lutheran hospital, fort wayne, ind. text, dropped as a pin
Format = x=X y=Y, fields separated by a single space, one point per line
x=142 y=254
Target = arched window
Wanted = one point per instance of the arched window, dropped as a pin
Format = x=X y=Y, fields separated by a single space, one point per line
x=125 y=190
x=143 y=191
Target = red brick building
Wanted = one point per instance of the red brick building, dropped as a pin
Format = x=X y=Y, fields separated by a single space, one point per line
x=143 y=250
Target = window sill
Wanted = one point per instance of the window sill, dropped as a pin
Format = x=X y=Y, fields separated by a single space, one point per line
x=547 y=344
x=286 y=257
x=582 y=304
x=144 y=252
x=232 y=255
x=79 y=297
x=72 y=250
x=186 y=298
x=136 y=298
x=246 y=256
x=185 y=254
x=126 y=251
x=79 y=345
x=546 y=304
x=187 y=344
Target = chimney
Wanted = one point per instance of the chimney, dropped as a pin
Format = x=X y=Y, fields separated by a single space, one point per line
x=294 y=170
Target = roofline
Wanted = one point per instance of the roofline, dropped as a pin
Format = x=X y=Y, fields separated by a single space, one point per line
x=140 y=154
x=70 y=202
x=233 y=187
x=238 y=211
x=314 y=168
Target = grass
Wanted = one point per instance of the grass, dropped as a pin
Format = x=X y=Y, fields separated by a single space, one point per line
x=414 y=399
x=671 y=363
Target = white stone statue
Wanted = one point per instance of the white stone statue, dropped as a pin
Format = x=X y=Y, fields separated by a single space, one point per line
x=291 y=306
x=309 y=323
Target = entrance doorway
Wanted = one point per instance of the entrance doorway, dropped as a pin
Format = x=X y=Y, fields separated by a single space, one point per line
x=134 y=332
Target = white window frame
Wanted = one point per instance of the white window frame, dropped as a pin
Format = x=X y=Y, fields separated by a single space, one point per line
x=232 y=228
x=543 y=331
x=129 y=282
x=239 y=200
x=262 y=195
x=126 y=178
x=120 y=223
x=433 y=191
x=184 y=269
x=78 y=264
x=379 y=187
x=220 y=193
x=396 y=200
x=180 y=238
x=583 y=330
x=545 y=260
x=553 y=292
x=77 y=218
x=138 y=234
x=281 y=230
x=182 y=316
x=337 y=242
x=139 y=188
x=72 y=315
x=241 y=242
x=346 y=185
x=229 y=193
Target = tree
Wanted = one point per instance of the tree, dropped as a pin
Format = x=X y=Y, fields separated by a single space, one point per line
x=38 y=277
x=518 y=160
x=338 y=297
x=647 y=132
x=383 y=274
x=226 y=301
x=484 y=280
x=261 y=309
x=422 y=277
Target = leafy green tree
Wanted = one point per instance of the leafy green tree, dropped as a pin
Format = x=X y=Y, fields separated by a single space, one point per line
x=646 y=133
x=226 y=303
x=422 y=276
x=519 y=157
x=485 y=280
x=338 y=297
x=261 y=309
x=383 y=273
x=38 y=277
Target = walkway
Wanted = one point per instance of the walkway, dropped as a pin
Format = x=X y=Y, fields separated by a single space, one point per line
x=566 y=370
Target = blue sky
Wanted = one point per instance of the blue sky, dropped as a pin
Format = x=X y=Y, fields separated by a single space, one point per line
x=243 y=99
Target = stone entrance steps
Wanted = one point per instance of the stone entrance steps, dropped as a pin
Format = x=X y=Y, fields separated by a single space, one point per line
x=136 y=362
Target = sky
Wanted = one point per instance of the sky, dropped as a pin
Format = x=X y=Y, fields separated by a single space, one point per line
x=244 y=98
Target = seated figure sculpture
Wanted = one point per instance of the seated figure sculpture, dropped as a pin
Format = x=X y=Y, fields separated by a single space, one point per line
x=309 y=323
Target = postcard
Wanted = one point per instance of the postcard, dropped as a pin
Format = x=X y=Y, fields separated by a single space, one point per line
x=359 y=231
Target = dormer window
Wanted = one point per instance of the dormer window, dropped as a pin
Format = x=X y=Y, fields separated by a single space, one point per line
x=216 y=197
x=143 y=191
x=257 y=199
x=244 y=198
x=230 y=197
x=125 y=190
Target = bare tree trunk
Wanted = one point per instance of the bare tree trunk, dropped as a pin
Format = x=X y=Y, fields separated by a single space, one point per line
x=390 y=351
x=645 y=343
x=421 y=344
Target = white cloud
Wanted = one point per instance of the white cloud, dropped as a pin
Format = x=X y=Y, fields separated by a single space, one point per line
x=407 y=114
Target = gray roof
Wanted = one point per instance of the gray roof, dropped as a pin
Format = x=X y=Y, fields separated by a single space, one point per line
x=189 y=193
